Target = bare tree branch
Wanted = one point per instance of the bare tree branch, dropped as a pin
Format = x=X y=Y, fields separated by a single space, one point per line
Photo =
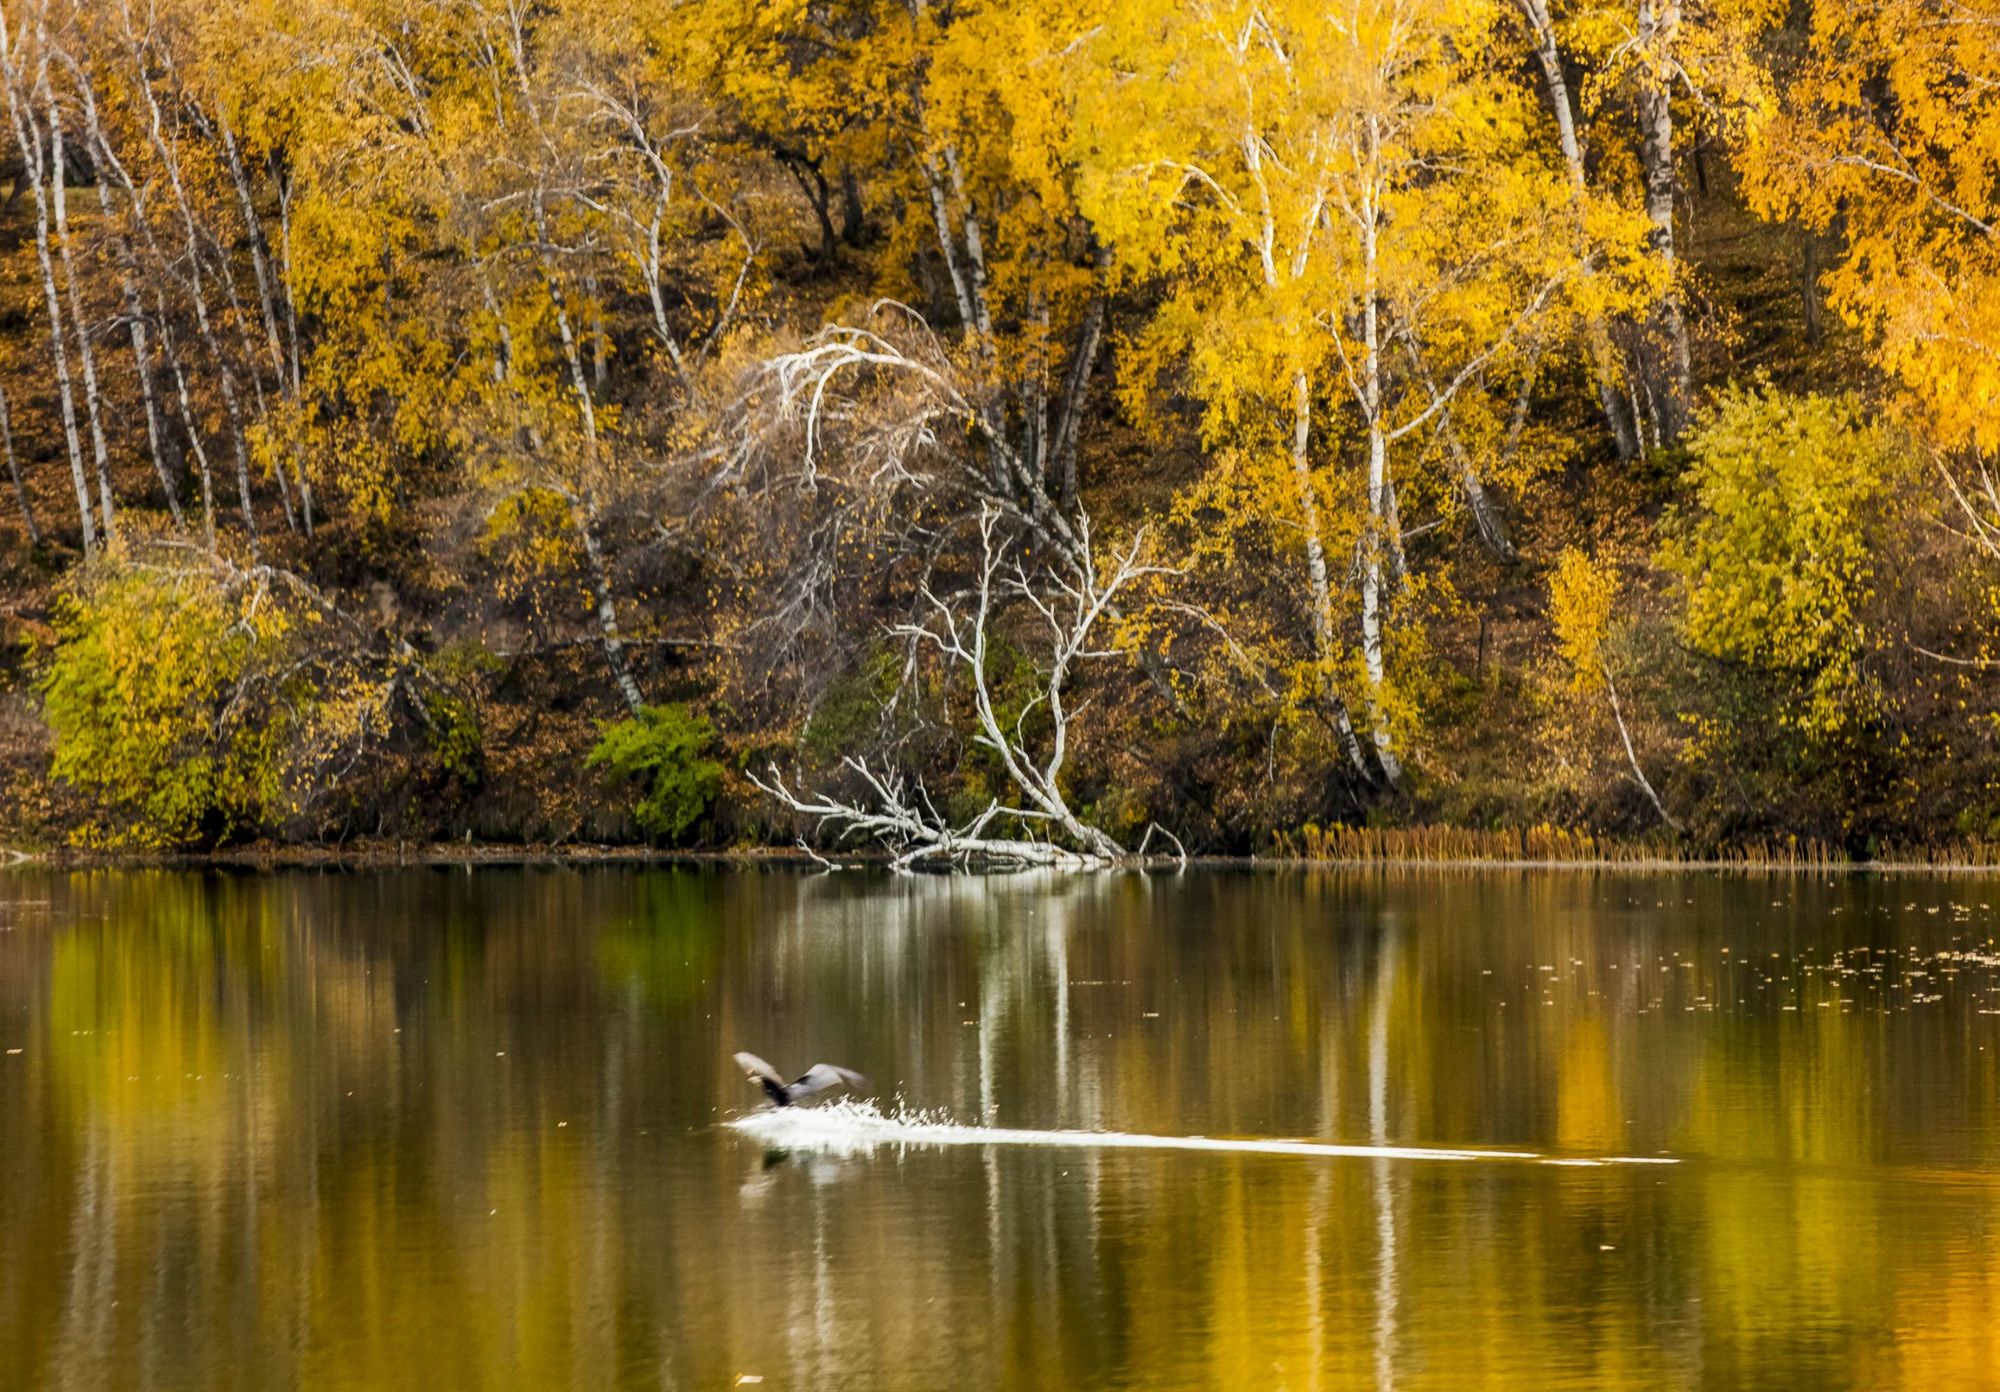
x=1070 y=607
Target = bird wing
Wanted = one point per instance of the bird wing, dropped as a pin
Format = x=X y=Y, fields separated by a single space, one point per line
x=822 y=1076
x=750 y=1063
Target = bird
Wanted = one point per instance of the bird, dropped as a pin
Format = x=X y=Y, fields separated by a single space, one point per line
x=816 y=1079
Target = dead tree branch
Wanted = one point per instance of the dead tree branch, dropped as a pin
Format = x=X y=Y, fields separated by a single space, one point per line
x=1070 y=608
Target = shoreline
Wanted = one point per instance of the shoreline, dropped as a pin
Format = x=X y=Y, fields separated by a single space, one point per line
x=452 y=855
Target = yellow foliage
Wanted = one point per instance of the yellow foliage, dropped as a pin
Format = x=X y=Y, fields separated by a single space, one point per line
x=1776 y=548
x=1583 y=591
x=139 y=692
x=1887 y=130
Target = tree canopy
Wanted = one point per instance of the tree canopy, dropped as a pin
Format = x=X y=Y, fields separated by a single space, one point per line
x=1085 y=422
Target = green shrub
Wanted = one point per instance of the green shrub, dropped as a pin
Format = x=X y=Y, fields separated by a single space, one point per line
x=661 y=753
x=1777 y=548
x=848 y=717
x=451 y=723
x=145 y=694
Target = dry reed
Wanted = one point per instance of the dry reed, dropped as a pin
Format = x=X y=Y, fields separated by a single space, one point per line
x=1555 y=845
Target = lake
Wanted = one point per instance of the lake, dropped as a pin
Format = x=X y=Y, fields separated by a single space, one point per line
x=442 y=1128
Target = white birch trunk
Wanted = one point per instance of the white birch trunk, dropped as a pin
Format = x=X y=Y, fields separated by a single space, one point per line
x=1065 y=445
x=225 y=275
x=1632 y=755
x=1487 y=519
x=291 y=327
x=648 y=262
x=79 y=323
x=109 y=165
x=566 y=330
x=1669 y=367
x=191 y=427
x=1379 y=496
x=600 y=366
x=1308 y=498
x=948 y=242
x=260 y=261
x=585 y=511
x=226 y=379
x=285 y=279
x=28 y=138
x=1597 y=335
x=967 y=267
x=1316 y=572
x=260 y=265
x=975 y=250
x=135 y=324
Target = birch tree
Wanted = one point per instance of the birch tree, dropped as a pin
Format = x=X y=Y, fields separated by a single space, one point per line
x=1643 y=67
x=972 y=104
x=1605 y=372
x=21 y=89
x=1880 y=138
x=78 y=321
x=1288 y=174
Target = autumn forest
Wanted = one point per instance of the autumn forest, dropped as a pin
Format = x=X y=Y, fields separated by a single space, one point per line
x=1013 y=432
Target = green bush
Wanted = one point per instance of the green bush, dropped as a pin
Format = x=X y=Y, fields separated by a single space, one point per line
x=144 y=693
x=455 y=736
x=847 y=718
x=1777 y=548
x=661 y=753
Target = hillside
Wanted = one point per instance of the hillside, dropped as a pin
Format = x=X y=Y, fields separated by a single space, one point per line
x=984 y=431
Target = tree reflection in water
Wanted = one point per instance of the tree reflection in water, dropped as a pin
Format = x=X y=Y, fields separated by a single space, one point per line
x=429 y=1128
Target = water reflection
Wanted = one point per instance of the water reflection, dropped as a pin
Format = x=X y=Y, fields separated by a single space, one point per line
x=436 y=1129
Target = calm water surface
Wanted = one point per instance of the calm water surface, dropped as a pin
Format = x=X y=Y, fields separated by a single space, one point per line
x=433 y=1129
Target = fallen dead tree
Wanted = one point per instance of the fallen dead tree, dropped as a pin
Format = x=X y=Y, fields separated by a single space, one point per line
x=1039 y=827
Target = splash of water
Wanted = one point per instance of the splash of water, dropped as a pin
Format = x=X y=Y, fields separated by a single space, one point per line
x=852 y=1127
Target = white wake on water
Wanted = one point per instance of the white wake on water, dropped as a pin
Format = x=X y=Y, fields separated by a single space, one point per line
x=851 y=1127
